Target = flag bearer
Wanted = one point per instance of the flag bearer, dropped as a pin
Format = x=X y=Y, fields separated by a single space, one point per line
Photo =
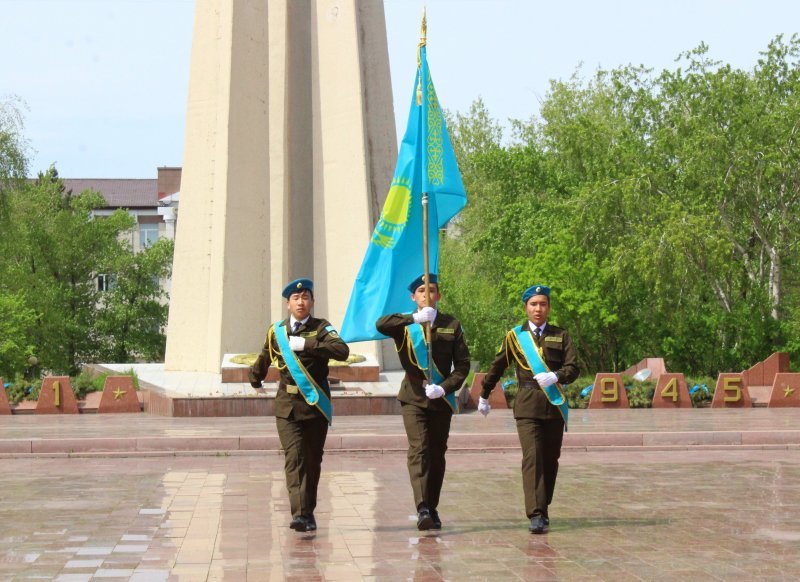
x=427 y=407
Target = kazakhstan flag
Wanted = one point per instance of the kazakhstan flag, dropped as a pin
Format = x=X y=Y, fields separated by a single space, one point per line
x=394 y=258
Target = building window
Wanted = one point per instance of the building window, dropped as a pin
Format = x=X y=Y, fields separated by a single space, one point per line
x=148 y=234
x=105 y=282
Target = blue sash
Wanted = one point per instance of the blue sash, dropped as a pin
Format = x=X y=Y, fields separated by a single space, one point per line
x=312 y=393
x=537 y=365
x=420 y=349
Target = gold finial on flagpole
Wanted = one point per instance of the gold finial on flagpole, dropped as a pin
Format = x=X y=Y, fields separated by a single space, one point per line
x=423 y=30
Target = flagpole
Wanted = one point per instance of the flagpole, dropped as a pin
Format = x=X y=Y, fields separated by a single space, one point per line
x=425 y=254
x=426 y=268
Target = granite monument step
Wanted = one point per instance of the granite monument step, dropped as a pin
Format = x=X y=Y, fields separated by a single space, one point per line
x=645 y=430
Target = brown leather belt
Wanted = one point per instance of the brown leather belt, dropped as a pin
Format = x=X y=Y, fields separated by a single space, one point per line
x=290 y=388
x=531 y=385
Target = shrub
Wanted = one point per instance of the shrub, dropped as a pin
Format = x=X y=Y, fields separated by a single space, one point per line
x=640 y=393
x=87 y=381
x=573 y=392
x=22 y=389
x=701 y=398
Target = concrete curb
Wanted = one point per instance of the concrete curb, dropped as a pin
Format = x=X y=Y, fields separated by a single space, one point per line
x=391 y=443
x=367 y=452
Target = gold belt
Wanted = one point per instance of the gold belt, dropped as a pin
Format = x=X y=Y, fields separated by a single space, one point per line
x=290 y=388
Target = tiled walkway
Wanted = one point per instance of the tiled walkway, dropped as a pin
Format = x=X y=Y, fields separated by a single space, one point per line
x=649 y=515
x=643 y=494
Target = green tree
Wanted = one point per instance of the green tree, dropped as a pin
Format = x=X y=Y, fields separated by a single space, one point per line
x=663 y=209
x=54 y=249
x=13 y=148
x=499 y=181
x=133 y=312
x=724 y=152
x=16 y=324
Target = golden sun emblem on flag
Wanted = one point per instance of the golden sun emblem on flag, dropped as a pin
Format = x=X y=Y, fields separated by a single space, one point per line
x=394 y=216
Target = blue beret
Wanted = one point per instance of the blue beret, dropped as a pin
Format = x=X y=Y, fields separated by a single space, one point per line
x=421 y=280
x=535 y=290
x=298 y=285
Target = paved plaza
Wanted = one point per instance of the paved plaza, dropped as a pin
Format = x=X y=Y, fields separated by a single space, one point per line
x=620 y=512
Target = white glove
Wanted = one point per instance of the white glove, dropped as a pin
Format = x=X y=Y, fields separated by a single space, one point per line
x=424 y=314
x=483 y=406
x=546 y=379
x=434 y=391
x=297 y=343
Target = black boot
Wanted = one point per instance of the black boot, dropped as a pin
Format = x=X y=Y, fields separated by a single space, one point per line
x=424 y=519
x=437 y=523
x=538 y=525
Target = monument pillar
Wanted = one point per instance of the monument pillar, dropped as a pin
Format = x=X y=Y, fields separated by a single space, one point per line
x=289 y=152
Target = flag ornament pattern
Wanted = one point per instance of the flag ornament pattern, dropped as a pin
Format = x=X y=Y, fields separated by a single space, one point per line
x=395 y=214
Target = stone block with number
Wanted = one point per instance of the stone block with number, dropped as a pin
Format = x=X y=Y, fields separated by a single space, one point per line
x=731 y=391
x=608 y=392
x=56 y=396
x=5 y=407
x=785 y=391
x=119 y=395
x=671 y=392
x=497 y=398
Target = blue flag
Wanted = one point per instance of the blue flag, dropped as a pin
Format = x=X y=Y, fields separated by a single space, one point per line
x=426 y=163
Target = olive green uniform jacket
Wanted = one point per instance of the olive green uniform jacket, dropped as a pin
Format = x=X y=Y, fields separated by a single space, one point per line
x=560 y=357
x=321 y=345
x=450 y=354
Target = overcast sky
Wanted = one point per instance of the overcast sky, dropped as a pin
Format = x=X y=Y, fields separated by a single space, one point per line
x=105 y=81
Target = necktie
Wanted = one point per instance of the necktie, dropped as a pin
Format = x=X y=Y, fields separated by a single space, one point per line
x=296 y=326
x=537 y=333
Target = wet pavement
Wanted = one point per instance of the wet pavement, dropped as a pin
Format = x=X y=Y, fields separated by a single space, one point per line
x=642 y=495
x=617 y=515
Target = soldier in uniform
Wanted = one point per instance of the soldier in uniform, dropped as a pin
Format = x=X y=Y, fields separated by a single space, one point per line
x=545 y=357
x=300 y=347
x=427 y=407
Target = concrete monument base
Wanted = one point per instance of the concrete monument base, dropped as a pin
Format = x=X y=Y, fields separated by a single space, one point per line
x=366 y=371
x=206 y=394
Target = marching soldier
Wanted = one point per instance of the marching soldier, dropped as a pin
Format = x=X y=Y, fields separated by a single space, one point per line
x=545 y=357
x=427 y=408
x=300 y=347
